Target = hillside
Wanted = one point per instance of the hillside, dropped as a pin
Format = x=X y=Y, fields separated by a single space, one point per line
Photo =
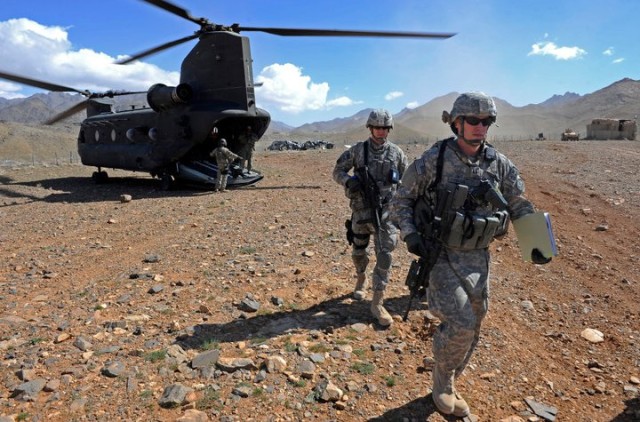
x=192 y=306
x=620 y=100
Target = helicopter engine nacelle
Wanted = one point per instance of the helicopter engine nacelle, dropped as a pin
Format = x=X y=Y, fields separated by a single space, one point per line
x=161 y=97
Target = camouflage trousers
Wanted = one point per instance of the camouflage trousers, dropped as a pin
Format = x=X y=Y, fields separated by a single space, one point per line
x=458 y=295
x=221 y=181
x=385 y=241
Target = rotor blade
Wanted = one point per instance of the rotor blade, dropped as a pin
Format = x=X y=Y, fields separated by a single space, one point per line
x=40 y=84
x=176 y=10
x=157 y=49
x=344 y=33
x=112 y=94
x=68 y=112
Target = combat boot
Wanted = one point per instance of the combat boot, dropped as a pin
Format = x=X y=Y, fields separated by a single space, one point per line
x=446 y=399
x=378 y=310
x=361 y=284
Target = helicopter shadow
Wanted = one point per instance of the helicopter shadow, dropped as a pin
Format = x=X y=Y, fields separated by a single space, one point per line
x=83 y=189
x=324 y=316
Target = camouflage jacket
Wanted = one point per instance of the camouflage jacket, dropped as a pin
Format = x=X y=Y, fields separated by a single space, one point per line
x=224 y=157
x=381 y=162
x=457 y=168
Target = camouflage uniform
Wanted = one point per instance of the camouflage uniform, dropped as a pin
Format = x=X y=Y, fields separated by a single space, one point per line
x=381 y=161
x=459 y=284
x=458 y=292
x=224 y=157
x=247 y=146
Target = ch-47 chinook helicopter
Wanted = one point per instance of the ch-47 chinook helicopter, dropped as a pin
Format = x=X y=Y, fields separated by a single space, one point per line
x=170 y=139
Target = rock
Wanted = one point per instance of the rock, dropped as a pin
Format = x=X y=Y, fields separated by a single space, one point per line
x=82 y=344
x=233 y=364
x=307 y=369
x=249 y=305
x=28 y=391
x=193 y=415
x=275 y=364
x=328 y=391
x=592 y=335
x=205 y=359
x=113 y=369
x=174 y=395
x=527 y=305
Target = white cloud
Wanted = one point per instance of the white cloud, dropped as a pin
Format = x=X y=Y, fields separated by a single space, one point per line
x=286 y=88
x=44 y=53
x=393 y=95
x=616 y=61
x=549 y=48
x=608 y=51
x=412 y=105
x=10 y=90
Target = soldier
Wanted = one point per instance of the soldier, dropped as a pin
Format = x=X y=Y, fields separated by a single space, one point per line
x=474 y=190
x=377 y=167
x=247 y=146
x=223 y=158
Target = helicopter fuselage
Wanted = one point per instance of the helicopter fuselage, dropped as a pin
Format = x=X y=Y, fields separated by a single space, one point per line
x=216 y=90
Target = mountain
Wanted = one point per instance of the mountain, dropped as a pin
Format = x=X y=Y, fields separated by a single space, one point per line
x=620 y=100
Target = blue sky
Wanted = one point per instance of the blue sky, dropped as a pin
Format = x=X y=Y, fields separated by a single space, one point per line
x=520 y=51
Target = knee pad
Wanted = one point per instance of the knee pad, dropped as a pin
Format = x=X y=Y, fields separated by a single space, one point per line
x=384 y=260
x=360 y=241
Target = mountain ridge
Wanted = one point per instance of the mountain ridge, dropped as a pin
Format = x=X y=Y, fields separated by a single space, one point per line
x=619 y=100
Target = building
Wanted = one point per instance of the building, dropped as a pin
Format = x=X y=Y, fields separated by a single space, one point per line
x=612 y=129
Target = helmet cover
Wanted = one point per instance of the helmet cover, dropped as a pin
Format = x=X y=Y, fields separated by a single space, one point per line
x=380 y=118
x=471 y=104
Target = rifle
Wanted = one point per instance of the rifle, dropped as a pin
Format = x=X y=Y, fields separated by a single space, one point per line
x=430 y=224
x=371 y=194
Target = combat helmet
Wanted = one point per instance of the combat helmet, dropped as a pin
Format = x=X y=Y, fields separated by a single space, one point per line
x=470 y=104
x=222 y=142
x=380 y=118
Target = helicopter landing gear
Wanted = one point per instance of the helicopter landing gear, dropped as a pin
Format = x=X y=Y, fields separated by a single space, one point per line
x=100 y=176
x=166 y=181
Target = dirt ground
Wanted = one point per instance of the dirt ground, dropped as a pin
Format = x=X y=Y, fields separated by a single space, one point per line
x=109 y=307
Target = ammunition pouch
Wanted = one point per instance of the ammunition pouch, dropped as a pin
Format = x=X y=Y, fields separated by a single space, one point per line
x=458 y=228
x=469 y=231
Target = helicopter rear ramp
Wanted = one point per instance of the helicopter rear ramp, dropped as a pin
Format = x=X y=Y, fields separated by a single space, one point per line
x=204 y=172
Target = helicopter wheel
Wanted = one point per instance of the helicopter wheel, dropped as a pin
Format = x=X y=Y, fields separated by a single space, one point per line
x=166 y=181
x=100 y=177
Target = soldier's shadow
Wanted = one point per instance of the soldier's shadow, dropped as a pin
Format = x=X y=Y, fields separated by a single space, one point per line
x=416 y=410
x=324 y=316
x=631 y=412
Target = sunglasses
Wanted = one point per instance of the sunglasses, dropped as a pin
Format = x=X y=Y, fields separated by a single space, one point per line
x=474 y=121
x=381 y=127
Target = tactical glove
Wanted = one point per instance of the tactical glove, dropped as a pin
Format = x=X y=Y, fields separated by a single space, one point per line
x=353 y=184
x=538 y=258
x=416 y=245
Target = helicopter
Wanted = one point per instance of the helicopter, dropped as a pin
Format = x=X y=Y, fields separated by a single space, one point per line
x=172 y=137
